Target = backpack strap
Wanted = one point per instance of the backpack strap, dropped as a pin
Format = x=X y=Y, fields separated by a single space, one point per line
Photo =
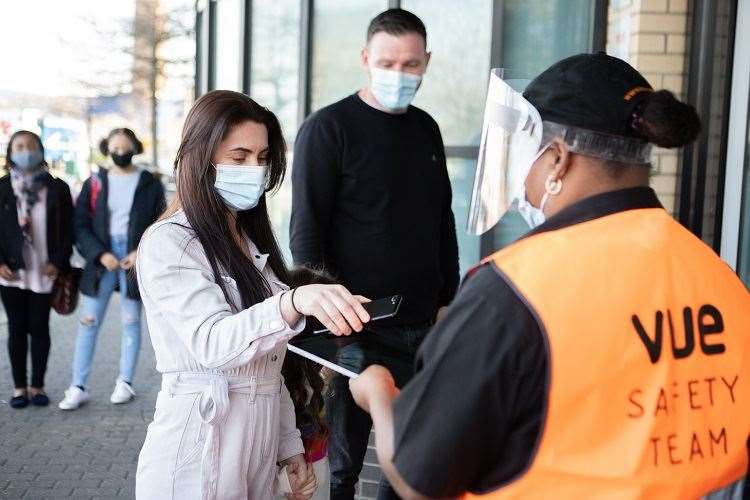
x=96 y=187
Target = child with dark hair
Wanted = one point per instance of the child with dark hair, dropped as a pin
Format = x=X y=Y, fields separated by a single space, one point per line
x=306 y=382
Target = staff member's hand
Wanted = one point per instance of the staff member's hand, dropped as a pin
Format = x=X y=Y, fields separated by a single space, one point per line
x=128 y=262
x=333 y=305
x=109 y=261
x=374 y=391
x=6 y=273
x=372 y=386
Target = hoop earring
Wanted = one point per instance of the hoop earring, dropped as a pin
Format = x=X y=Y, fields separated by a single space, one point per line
x=553 y=186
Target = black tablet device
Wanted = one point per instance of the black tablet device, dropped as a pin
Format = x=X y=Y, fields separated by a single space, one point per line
x=350 y=355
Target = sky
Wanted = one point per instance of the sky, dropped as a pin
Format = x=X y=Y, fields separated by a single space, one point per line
x=44 y=43
x=52 y=47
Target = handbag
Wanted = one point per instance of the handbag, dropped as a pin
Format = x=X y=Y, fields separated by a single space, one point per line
x=65 y=291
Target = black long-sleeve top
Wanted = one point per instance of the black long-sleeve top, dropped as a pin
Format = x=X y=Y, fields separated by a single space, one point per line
x=91 y=227
x=371 y=204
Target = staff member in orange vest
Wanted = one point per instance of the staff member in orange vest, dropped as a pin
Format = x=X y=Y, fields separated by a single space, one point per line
x=606 y=353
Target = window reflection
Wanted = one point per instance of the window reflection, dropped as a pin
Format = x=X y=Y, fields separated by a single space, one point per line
x=280 y=210
x=461 y=173
x=743 y=261
x=274 y=83
x=536 y=33
x=455 y=84
x=229 y=45
x=275 y=59
x=339 y=34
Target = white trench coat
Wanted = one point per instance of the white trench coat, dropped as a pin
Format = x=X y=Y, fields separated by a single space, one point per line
x=224 y=417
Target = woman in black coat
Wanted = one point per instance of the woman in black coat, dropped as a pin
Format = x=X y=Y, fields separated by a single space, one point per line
x=112 y=212
x=36 y=241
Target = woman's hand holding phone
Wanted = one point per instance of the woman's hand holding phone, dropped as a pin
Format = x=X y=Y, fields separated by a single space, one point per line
x=333 y=305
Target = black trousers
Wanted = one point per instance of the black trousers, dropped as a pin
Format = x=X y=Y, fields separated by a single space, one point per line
x=350 y=426
x=28 y=316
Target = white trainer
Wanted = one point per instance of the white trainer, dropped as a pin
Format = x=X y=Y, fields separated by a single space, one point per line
x=122 y=393
x=74 y=398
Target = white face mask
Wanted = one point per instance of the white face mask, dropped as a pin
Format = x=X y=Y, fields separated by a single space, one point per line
x=240 y=186
x=533 y=216
x=394 y=90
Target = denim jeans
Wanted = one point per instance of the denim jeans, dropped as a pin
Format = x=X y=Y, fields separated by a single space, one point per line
x=92 y=316
x=350 y=426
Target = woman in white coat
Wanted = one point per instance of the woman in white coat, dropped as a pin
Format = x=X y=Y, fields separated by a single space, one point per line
x=219 y=314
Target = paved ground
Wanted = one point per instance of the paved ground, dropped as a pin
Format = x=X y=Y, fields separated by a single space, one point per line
x=91 y=452
x=88 y=453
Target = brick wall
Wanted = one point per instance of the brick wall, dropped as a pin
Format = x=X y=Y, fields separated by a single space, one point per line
x=369 y=479
x=650 y=35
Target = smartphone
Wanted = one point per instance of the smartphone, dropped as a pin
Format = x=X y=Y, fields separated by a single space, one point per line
x=377 y=309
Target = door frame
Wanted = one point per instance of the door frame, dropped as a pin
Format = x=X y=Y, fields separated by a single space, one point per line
x=737 y=138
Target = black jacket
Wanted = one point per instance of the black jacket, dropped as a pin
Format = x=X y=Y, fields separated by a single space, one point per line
x=371 y=204
x=92 y=230
x=59 y=225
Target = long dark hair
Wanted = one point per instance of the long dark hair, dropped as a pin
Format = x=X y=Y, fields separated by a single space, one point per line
x=206 y=125
x=8 y=161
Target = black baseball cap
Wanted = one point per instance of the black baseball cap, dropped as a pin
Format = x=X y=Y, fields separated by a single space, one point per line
x=592 y=91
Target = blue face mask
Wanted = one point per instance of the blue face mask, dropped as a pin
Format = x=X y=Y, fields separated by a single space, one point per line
x=394 y=90
x=240 y=186
x=27 y=160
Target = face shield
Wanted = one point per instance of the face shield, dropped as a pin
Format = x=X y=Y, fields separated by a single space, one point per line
x=514 y=136
x=511 y=139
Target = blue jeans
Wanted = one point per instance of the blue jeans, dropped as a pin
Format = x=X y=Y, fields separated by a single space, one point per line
x=92 y=315
x=349 y=425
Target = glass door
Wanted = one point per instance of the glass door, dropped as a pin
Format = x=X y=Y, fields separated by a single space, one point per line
x=743 y=260
x=735 y=237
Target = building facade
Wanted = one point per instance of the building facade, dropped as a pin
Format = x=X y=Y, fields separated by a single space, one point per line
x=295 y=56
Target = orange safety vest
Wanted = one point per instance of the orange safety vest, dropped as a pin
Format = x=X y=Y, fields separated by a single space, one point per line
x=648 y=337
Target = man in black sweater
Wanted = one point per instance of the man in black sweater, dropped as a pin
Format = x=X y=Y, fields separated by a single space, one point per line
x=371 y=204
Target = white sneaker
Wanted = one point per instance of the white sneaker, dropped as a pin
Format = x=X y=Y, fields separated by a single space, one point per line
x=122 y=394
x=74 y=398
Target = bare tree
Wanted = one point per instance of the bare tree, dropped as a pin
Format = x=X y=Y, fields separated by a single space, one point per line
x=154 y=29
x=154 y=44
